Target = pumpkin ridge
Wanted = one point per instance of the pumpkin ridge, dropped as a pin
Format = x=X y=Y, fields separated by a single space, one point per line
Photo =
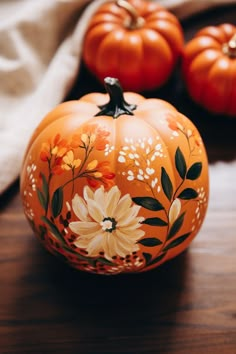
x=190 y=77
x=228 y=82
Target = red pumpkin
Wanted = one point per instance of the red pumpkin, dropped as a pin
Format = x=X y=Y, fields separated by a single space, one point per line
x=137 y=41
x=115 y=183
x=209 y=68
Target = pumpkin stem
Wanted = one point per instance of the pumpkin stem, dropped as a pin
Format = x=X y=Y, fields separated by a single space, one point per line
x=117 y=104
x=229 y=48
x=134 y=21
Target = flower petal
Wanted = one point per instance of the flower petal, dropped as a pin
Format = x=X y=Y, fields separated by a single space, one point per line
x=124 y=245
x=122 y=207
x=95 y=245
x=174 y=210
x=95 y=211
x=112 y=199
x=80 y=208
x=81 y=243
x=88 y=193
x=99 y=196
x=133 y=236
x=84 y=228
x=130 y=228
x=129 y=216
x=109 y=245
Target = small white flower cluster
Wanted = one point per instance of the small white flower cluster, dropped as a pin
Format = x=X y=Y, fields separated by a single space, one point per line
x=202 y=199
x=29 y=212
x=31 y=179
x=174 y=134
x=31 y=187
x=201 y=202
x=140 y=158
x=108 y=149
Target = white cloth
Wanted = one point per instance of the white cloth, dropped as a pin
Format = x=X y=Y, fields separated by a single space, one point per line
x=40 y=54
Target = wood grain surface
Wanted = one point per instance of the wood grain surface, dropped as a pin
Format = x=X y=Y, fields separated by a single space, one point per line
x=187 y=306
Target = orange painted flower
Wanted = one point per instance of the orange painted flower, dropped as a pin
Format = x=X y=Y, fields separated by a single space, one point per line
x=194 y=134
x=173 y=124
x=98 y=173
x=57 y=148
x=45 y=152
x=75 y=141
x=69 y=161
x=176 y=126
x=101 y=139
x=95 y=136
x=53 y=152
x=56 y=167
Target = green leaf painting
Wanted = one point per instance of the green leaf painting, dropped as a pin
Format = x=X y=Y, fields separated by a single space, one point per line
x=53 y=228
x=147 y=257
x=188 y=193
x=154 y=222
x=176 y=242
x=42 y=199
x=180 y=163
x=43 y=195
x=45 y=187
x=194 y=171
x=148 y=203
x=166 y=184
x=157 y=259
x=150 y=242
x=176 y=226
x=57 y=202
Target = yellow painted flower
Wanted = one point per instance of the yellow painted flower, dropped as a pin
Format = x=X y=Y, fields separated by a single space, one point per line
x=92 y=165
x=70 y=162
x=107 y=223
x=174 y=211
x=85 y=139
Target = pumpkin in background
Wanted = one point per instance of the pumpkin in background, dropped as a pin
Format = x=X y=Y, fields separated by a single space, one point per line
x=137 y=41
x=209 y=68
x=115 y=182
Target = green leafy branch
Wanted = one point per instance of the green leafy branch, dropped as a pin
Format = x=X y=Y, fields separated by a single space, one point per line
x=153 y=204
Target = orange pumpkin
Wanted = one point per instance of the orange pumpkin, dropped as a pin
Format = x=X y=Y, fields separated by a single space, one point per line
x=115 y=182
x=137 y=41
x=209 y=68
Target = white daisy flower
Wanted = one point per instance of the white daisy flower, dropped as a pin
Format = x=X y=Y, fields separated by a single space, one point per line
x=108 y=223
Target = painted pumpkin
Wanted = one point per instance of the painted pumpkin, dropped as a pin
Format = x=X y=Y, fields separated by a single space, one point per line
x=137 y=41
x=209 y=68
x=115 y=182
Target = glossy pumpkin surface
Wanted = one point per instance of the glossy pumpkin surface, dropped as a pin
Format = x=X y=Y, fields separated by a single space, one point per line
x=137 y=41
x=209 y=68
x=115 y=183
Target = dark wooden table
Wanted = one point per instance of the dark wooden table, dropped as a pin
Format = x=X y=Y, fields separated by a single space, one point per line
x=185 y=306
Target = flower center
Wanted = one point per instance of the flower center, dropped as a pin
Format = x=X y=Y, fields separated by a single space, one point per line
x=108 y=224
